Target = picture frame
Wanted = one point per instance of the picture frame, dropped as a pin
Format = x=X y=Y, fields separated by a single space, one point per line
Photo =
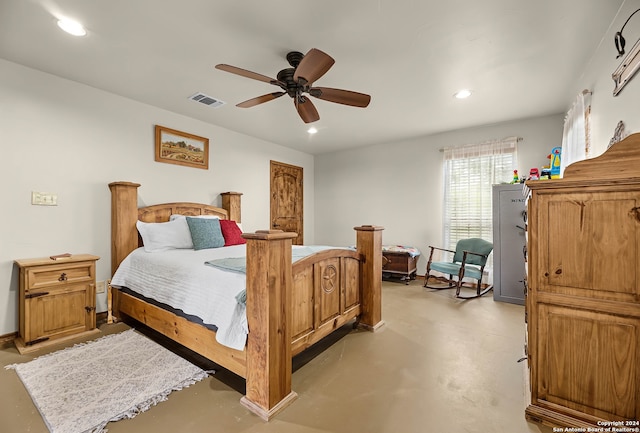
x=181 y=148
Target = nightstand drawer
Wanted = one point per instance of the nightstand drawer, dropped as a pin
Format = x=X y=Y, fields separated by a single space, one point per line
x=57 y=275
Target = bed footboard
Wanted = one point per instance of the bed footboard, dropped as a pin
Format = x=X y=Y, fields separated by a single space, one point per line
x=325 y=295
x=344 y=284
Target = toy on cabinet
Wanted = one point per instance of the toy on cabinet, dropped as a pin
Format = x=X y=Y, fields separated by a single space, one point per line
x=555 y=162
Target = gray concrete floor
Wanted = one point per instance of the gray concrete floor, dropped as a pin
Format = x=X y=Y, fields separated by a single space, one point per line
x=439 y=365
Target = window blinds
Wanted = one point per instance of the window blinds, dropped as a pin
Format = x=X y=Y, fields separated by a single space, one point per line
x=469 y=173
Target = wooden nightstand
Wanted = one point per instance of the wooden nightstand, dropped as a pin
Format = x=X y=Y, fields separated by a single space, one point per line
x=57 y=300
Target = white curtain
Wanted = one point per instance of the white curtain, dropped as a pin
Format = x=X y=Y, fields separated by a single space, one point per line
x=575 y=137
x=469 y=173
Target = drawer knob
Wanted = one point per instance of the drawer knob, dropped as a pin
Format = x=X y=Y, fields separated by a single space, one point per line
x=63 y=277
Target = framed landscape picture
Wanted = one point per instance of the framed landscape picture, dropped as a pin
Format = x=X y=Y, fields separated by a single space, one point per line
x=181 y=148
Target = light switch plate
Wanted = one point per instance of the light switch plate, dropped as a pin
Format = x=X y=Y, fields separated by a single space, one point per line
x=44 y=198
x=101 y=286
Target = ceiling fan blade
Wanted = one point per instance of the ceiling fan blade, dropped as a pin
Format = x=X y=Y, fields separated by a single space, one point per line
x=346 y=97
x=306 y=109
x=248 y=74
x=260 y=100
x=313 y=66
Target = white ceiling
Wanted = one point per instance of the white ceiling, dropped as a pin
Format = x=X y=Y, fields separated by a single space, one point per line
x=519 y=57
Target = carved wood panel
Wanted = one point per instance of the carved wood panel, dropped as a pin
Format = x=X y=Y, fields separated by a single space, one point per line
x=327 y=282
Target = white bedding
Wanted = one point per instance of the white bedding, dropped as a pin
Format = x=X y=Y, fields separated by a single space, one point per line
x=181 y=279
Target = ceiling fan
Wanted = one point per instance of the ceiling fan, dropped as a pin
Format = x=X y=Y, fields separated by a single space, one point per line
x=297 y=82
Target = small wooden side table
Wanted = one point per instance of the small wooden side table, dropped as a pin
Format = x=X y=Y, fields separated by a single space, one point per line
x=57 y=300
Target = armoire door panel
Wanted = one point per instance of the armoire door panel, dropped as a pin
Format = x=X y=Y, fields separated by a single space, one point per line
x=589 y=234
x=587 y=359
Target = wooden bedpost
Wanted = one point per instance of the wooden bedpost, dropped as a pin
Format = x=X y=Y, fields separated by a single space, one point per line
x=231 y=202
x=269 y=285
x=124 y=214
x=369 y=245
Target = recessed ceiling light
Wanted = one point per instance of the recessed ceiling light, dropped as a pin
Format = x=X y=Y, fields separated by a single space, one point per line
x=312 y=130
x=72 y=27
x=462 y=93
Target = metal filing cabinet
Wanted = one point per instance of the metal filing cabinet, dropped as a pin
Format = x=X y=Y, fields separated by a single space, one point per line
x=509 y=225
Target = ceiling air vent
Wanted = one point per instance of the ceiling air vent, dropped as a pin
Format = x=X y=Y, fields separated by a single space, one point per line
x=207 y=100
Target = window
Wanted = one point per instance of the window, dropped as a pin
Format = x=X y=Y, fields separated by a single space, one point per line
x=469 y=173
x=576 y=138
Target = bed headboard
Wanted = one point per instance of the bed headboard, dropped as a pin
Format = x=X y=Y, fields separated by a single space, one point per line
x=161 y=212
x=125 y=213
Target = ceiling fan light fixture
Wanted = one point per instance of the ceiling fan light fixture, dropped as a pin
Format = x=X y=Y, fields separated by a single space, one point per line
x=462 y=94
x=72 y=27
x=312 y=130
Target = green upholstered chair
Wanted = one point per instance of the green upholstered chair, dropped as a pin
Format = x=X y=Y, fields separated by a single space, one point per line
x=468 y=261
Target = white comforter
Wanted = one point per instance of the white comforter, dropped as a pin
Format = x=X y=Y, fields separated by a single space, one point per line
x=181 y=279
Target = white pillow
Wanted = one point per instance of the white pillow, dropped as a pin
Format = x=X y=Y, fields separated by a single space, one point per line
x=165 y=236
x=176 y=216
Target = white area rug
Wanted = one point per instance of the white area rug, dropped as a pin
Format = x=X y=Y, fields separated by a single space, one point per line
x=82 y=388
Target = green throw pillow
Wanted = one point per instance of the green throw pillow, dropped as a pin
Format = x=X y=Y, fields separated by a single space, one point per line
x=205 y=233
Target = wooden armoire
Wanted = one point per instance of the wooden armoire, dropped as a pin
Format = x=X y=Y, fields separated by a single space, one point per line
x=583 y=300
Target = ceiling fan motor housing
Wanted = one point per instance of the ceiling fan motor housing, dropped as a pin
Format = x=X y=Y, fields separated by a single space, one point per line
x=292 y=88
x=294 y=58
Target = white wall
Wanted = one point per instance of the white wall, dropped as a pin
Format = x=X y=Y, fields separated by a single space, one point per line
x=607 y=110
x=62 y=137
x=399 y=185
x=72 y=140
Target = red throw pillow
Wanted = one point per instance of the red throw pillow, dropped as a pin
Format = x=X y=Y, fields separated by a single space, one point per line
x=232 y=233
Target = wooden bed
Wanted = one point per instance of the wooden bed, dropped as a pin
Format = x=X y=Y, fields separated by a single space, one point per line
x=323 y=291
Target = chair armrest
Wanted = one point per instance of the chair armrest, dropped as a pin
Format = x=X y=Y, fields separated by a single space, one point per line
x=431 y=255
x=464 y=258
x=476 y=254
x=441 y=249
